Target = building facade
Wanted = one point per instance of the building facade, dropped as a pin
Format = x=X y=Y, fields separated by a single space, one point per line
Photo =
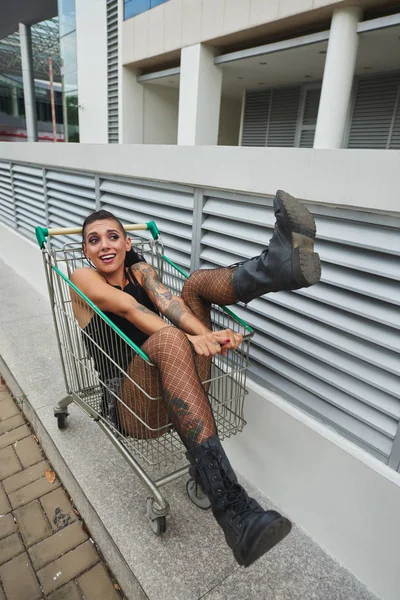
x=279 y=74
x=194 y=112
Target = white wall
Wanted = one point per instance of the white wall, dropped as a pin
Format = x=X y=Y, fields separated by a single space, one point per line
x=24 y=257
x=180 y=23
x=347 y=500
x=229 y=121
x=91 y=41
x=365 y=179
x=160 y=115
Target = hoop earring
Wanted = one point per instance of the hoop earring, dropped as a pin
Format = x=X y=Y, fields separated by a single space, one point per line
x=91 y=265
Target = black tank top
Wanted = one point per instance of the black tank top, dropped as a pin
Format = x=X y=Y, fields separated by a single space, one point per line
x=99 y=334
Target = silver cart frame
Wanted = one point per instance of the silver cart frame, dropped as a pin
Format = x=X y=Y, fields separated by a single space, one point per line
x=150 y=448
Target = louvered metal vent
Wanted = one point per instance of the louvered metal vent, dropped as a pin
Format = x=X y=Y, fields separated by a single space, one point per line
x=171 y=208
x=256 y=118
x=374 y=113
x=271 y=117
x=7 y=214
x=70 y=198
x=28 y=193
x=332 y=349
x=283 y=117
x=307 y=138
x=311 y=106
x=112 y=67
x=395 y=136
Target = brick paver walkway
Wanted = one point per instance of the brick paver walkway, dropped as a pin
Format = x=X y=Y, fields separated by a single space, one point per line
x=45 y=549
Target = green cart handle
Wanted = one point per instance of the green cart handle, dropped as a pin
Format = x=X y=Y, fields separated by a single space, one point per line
x=43 y=232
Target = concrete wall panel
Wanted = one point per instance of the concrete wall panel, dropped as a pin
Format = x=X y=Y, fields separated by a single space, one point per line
x=365 y=179
x=160 y=115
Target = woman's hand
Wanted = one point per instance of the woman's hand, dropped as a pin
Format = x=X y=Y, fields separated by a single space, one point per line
x=215 y=342
x=232 y=340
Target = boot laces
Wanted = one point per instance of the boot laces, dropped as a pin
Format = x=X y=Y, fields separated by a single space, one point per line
x=234 y=496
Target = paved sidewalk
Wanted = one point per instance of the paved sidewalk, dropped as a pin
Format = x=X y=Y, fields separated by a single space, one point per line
x=45 y=549
x=191 y=561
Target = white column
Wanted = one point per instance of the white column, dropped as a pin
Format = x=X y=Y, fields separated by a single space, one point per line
x=338 y=78
x=28 y=81
x=130 y=107
x=130 y=93
x=91 y=32
x=199 y=97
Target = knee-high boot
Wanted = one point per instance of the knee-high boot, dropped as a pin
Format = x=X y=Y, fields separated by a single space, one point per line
x=250 y=531
x=289 y=262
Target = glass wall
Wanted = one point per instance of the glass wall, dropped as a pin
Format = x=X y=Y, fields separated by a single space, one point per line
x=45 y=43
x=69 y=69
x=135 y=7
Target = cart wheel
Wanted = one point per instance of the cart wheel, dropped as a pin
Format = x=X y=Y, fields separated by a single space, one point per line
x=61 y=420
x=158 y=524
x=197 y=496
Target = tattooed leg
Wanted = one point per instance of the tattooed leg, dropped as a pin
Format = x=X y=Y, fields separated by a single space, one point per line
x=185 y=400
x=188 y=424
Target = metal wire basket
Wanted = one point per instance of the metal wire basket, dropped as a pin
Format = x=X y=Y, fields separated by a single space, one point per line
x=127 y=402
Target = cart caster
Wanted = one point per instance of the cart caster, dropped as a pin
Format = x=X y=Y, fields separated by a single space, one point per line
x=62 y=420
x=197 y=496
x=158 y=524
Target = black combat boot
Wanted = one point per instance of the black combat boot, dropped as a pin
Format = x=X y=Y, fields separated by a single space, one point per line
x=250 y=531
x=289 y=262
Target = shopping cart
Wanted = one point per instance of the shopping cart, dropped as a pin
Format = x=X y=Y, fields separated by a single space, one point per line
x=96 y=364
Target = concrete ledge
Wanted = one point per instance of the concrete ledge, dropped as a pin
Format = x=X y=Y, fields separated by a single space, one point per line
x=350 y=178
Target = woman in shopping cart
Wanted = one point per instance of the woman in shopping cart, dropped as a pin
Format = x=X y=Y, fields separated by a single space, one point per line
x=129 y=291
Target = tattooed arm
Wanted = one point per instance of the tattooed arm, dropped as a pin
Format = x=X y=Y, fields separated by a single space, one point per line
x=171 y=306
x=110 y=299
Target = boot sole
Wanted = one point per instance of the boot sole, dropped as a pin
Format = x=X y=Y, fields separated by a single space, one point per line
x=306 y=264
x=267 y=539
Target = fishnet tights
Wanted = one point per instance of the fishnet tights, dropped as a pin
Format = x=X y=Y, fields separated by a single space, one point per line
x=179 y=372
x=203 y=288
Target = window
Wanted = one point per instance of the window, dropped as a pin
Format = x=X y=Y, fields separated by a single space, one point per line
x=135 y=7
x=66 y=19
x=5 y=100
x=43 y=107
x=66 y=13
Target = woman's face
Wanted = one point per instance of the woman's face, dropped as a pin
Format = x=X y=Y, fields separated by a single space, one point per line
x=105 y=245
